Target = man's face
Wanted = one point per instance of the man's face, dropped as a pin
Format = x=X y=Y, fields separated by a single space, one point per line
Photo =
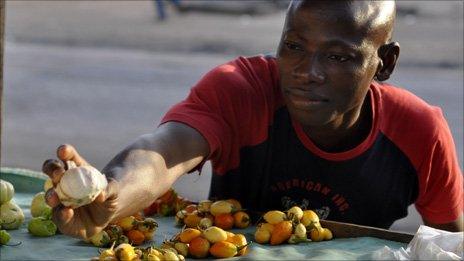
x=326 y=62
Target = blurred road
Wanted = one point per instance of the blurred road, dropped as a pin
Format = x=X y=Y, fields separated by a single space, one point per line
x=98 y=74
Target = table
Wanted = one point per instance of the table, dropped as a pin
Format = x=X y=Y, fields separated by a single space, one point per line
x=61 y=247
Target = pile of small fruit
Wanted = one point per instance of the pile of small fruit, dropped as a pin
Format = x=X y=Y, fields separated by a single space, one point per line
x=190 y=242
x=135 y=230
x=126 y=252
x=292 y=227
x=11 y=215
x=167 y=205
x=225 y=214
x=214 y=241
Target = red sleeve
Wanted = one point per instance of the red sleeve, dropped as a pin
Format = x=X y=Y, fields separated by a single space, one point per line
x=440 y=197
x=231 y=106
x=422 y=133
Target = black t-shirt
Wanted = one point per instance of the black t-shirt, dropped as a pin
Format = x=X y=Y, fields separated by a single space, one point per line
x=262 y=157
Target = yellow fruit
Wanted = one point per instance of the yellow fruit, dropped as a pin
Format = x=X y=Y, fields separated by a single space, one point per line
x=221 y=207
x=327 y=234
x=236 y=203
x=262 y=236
x=107 y=253
x=214 y=234
x=151 y=257
x=205 y=223
x=309 y=218
x=154 y=254
x=125 y=252
x=192 y=219
x=317 y=235
x=239 y=240
x=48 y=184
x=188 y=234
x=295 y=213
x=223 y=249
x=171 y=256
x=127 y=223
x=204 y=205
x=274 y=216
x=182 y=248
x=267 y=226
x=300 y=230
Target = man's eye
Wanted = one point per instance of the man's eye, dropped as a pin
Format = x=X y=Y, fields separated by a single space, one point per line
x=293 y=46
x=338 y=58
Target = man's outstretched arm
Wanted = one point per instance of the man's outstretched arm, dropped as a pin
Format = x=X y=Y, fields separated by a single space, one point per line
x=138 y=175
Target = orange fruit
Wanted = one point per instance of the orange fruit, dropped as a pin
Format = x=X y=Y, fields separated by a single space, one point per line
x=188 y=234
x=240 y=241
x=192 y=219
x=241 y=219
x=223 y=249
x=136 y=237
x=282 y=232
x=224 y=221
x=229 y=236
x=199 y=247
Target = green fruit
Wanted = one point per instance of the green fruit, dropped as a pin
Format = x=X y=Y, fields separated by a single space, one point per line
x=41 y=227
x=39 y=207
x=11 y=215
x=4 y=237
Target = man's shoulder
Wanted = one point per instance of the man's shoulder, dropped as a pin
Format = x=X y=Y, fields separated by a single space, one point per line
x=406 y=105
x=243 y=75
x=406 y=118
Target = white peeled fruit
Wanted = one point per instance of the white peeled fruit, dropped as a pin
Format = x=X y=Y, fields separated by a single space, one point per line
x=80 y=186
x=6 y=191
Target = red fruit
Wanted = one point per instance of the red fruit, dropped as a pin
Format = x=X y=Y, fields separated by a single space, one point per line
x=190 y=208
x=224 y=221
x=199 y=247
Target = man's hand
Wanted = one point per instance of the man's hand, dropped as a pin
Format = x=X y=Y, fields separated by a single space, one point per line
x=84 y=221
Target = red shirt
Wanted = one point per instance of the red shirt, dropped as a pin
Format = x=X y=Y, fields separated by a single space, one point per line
x=263 y=158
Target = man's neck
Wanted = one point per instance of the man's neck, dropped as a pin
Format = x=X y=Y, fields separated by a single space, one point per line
x=346 y=134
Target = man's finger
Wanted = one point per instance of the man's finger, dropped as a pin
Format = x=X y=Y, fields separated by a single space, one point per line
x=67 y=152
x=51 y=198
x=50 y=165
x=62 y=216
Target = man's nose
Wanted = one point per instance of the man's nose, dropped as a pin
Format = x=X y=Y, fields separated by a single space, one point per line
x=309 y=70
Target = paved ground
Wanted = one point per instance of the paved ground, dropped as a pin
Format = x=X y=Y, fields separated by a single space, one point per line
x=98 y=74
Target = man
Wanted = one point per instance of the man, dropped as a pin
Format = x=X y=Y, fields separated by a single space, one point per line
x=312 y=126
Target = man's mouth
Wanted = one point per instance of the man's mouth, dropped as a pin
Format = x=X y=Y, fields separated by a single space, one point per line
x=305 y=99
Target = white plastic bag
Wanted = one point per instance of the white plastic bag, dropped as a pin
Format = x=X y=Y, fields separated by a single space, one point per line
x=428 y=244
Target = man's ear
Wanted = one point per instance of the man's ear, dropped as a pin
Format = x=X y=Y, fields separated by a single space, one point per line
x=388 y=54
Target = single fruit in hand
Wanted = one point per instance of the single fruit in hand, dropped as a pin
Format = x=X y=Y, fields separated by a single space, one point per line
x=80 y=186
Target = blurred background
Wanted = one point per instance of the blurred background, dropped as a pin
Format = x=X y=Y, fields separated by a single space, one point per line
x=97 y=74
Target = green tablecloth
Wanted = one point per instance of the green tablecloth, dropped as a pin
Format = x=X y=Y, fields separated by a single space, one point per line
x=61 y=247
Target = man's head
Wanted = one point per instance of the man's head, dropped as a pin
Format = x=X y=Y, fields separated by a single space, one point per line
x=330 y=52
